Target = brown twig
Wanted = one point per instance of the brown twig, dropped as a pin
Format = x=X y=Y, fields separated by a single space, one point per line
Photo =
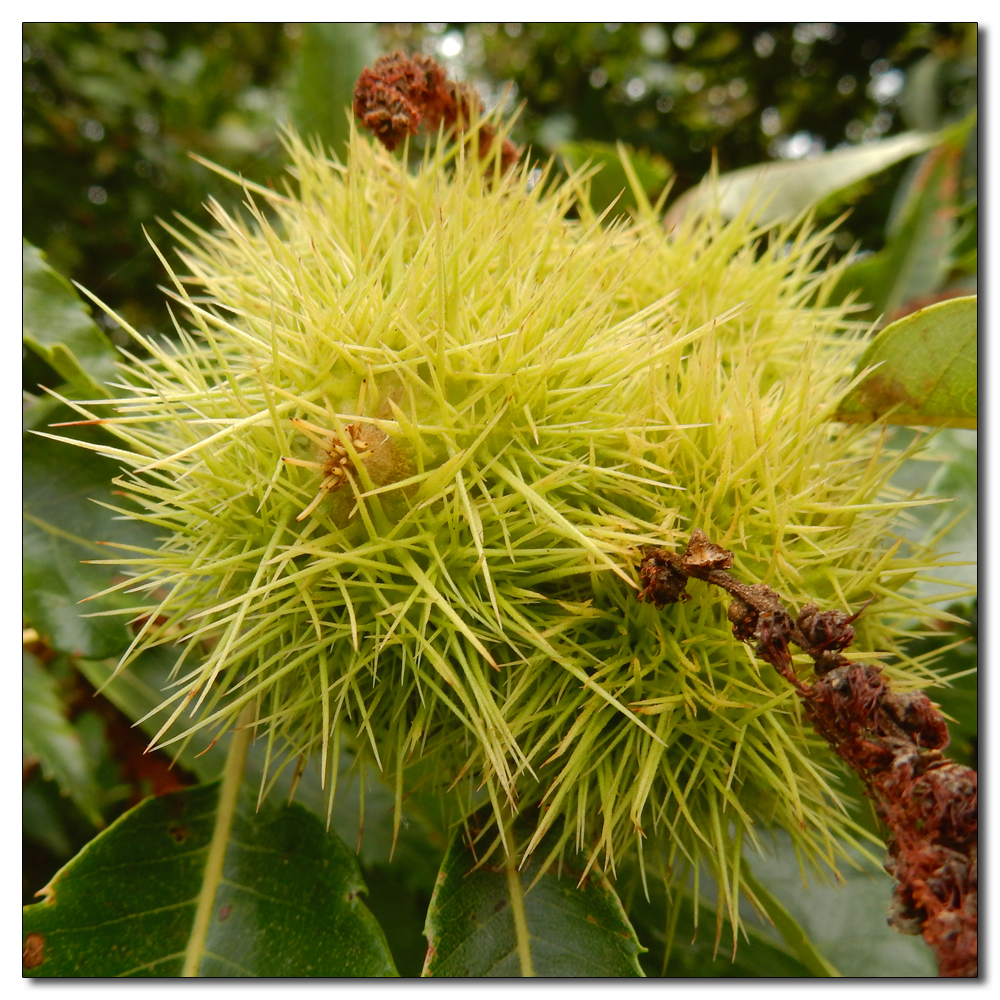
x=893 y=742
x=399 y=93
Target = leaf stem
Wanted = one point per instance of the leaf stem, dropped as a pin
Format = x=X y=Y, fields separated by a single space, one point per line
x=232 y=778
x=520 y=920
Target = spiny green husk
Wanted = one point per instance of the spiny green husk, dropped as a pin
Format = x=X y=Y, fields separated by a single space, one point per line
x=524 y=402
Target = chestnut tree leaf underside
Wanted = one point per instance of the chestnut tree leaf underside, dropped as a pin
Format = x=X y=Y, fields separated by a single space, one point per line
x=781 y=190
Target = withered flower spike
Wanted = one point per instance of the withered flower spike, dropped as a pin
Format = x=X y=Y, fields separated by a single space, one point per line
x=774 y=632
x=744 y=619
x=893 y=741
x=702 y=554
x=827 y=631
x=396 y=94
x=399 y=92
x=663 y=582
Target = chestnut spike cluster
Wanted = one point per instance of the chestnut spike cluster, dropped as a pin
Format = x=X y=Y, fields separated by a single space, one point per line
x=893 y=741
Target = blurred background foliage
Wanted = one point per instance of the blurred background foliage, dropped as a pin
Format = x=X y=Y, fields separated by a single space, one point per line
x=111 y=112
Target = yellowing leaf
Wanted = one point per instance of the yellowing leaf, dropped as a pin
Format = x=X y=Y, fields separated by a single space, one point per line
x=927 y=370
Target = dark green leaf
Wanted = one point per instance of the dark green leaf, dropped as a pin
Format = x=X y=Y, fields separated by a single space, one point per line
x=959 y=701
x=287 y=902
x=399 y=891
x=398 y=897
x=330 y=58
x=571 y=930
x=692 y=952
x=781 y=190
x=62 y=527
x=927 y=370
x=51 y=737
x=43 y=823
x=139 y=690
x=58 y=327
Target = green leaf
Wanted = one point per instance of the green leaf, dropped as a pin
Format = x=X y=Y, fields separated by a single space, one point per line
x=692 y=952
x=286 y=899
x=921 y=240
x=959 y=700
x=399 y=891
x=948 y=468
x=398 y=897
x=55 y=582
x=491 y=922
x=795 y=936
x=62 y=527
x=49 y=735
x=968 y=263
x=922 y=230
x=58 y=328
x=846 y=923
x=612 y=180
x=927 y=370
x=44 y=823
x=869 y=277
x=779 y=191
x=330 y=58
x=921 y=102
